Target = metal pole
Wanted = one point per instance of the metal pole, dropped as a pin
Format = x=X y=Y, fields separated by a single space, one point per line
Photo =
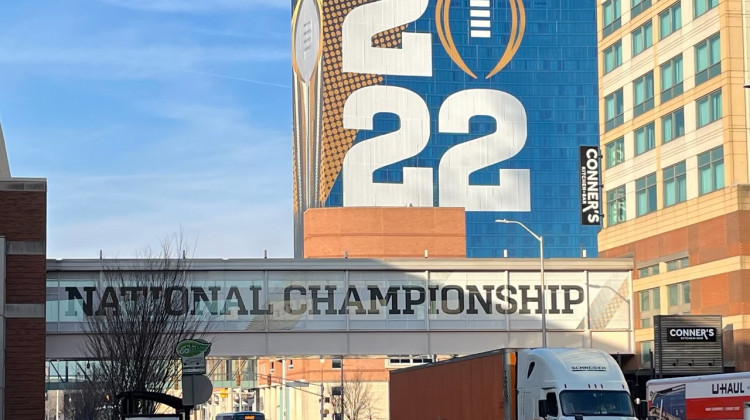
x=322 y=405
x=544 y=291
x=283 y=390
x=343 y=416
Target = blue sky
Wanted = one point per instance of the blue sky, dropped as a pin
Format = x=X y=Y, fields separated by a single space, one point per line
x=148 y=117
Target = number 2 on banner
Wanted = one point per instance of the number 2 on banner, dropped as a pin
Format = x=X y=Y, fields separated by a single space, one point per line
x=367 y=156
x=514 y=191
x=414 y=58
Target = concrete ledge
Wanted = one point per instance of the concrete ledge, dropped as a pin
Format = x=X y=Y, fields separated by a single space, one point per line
x=23 y=184
x=26 y=248
x=24 y=310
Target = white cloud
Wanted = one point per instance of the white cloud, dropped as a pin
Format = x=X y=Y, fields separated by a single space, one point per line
x=195 y=6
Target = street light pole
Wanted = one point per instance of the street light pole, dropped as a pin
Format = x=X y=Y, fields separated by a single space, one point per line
x=541 y=275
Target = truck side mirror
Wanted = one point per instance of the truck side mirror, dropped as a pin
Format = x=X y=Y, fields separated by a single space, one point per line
x=642 y=410
x=543 y=408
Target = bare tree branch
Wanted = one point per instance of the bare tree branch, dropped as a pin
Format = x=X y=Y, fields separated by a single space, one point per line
x=142 y=310
x=359 y=401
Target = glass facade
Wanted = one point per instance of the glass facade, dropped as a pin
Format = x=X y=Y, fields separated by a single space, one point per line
x=711 y=170
x=673 y=125
x=642 y=38
x=644 y=139
x=675 y=184
x=554 y=75
x=707 y=59
x=670 y=20
x=613 y=57
x=708 y=108
x=671 y=78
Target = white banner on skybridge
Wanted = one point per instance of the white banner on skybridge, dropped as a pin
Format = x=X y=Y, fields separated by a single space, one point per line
x=363 y=300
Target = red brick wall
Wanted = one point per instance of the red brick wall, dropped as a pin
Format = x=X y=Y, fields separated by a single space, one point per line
x=726 y=294
x=711 y=240
x=23 y=217
x=26 y=276
x=24 y=368
x=382 y=232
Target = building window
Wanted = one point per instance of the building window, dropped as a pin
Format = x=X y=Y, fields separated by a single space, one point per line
x=675 y=185
x=611 y=16
x=408 y=360
x=678 y=264
x=671 y=78
x=645 y=194
x=650 y=306
x=673 y=125
x=615 y=151
x=702 y=6
x=642 y=38
x=670 y=20
x=709 y=108
x=643 y=94
x=649 y=271
x=613 y=57
x=616 y=206
x=707 y=59
x=678 y=296
x=644 y=139
x=638 y=6
x=613 y=110
x=711 y=170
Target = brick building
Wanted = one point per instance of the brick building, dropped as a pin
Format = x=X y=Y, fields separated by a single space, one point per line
x=23 y=231
x=675 y=132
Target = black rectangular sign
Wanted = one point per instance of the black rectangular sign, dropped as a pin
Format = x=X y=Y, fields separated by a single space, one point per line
x=591 y=198
x=688 y=344
x=692 y=334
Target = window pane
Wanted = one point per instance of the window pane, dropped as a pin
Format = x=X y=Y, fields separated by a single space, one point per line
x=705 y=180
x=686 y=292
x=666 y=76
x=715 y=45
x=703 y=112
x=672 y=292
x=701 y=57
x=644 y=301
x=719 y=175
x=678 y=69
x=665 y=25
x=657 y=298
x=679 y=122
x=716 y=106
x=666 y=129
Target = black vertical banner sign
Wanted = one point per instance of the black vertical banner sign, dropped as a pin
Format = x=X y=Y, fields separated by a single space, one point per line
x=591 y=198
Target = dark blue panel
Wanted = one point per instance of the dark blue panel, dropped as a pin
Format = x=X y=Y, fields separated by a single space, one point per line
x=554 y=75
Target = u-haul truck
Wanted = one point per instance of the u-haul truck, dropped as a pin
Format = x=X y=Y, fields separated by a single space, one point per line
x=707 y=397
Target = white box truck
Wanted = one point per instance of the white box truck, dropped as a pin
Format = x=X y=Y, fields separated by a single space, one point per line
x=707 y=397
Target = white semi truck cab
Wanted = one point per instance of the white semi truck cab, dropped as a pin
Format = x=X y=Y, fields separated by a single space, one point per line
x=570 y=384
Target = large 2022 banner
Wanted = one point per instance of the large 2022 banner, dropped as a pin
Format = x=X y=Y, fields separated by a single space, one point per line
x=479 y=104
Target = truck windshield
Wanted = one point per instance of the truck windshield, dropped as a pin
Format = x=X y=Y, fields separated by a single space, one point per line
x=596 y=403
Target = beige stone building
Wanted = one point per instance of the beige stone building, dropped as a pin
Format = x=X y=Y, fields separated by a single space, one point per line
x=675 y=136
